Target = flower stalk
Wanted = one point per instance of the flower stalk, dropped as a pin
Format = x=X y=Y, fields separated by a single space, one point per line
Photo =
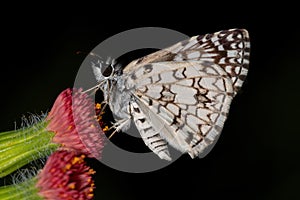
x=25 y=190
x=20 y=147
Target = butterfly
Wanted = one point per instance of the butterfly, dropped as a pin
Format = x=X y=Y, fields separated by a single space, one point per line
x=180 y=95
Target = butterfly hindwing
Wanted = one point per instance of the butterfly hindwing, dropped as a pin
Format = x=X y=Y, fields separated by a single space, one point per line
x=191 y=98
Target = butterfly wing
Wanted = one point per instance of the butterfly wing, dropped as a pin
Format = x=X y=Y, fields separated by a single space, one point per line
x=150 y=135
x=230 y=49
x=186 y=102
x=185 y=91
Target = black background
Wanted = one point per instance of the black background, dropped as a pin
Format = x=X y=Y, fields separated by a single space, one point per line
x=257 y=154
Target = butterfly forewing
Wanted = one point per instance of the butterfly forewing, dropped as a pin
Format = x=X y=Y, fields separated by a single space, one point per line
x=230 y=49
x=181 y=95
x=190 y=85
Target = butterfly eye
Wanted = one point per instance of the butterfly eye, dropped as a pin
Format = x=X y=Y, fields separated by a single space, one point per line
x=107 y=70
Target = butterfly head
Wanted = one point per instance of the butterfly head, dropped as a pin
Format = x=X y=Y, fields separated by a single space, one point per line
x=106 y=74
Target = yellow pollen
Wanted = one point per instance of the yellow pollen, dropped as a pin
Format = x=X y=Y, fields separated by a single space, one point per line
x=72 y=186
x=70 y=127
x=76 y=160
x=98 y=105
x=105 y=128
x=91 y=171
x=68 y=166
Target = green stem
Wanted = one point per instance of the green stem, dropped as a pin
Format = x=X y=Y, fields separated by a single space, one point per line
x=20 y=147
x=25 y=190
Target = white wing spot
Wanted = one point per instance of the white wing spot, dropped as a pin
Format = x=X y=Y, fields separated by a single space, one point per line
x=193 y=55
x=228 y=69
x=237 y=70
x=214 y=117
x=244 y=71
x=185 y=82
x=167 y=77
x=204 y=129
x=154 y=91
x=241 y=45
x=184 y=95
x=173 y=108
x=230 y=37
x=231 y=53
x=203 y=113
x=221 y=48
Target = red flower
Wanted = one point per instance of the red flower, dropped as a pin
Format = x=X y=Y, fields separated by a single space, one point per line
x=73 y=119
x=66 y=176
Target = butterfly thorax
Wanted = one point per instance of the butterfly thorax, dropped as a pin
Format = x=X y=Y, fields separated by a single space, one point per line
x=118 y=97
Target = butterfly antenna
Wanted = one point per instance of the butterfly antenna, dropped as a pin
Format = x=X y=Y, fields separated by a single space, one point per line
x=95 y=88
x=103 y=107
x=96 y=55
x=109 y=137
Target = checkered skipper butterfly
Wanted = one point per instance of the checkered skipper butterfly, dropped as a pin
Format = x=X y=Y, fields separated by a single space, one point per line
x=179 y=95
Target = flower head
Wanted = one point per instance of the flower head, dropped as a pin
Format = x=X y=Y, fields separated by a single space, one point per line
x=66 y=176
x=72 y=118
x=71 y=124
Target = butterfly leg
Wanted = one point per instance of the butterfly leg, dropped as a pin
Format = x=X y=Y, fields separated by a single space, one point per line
x=122 y=124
